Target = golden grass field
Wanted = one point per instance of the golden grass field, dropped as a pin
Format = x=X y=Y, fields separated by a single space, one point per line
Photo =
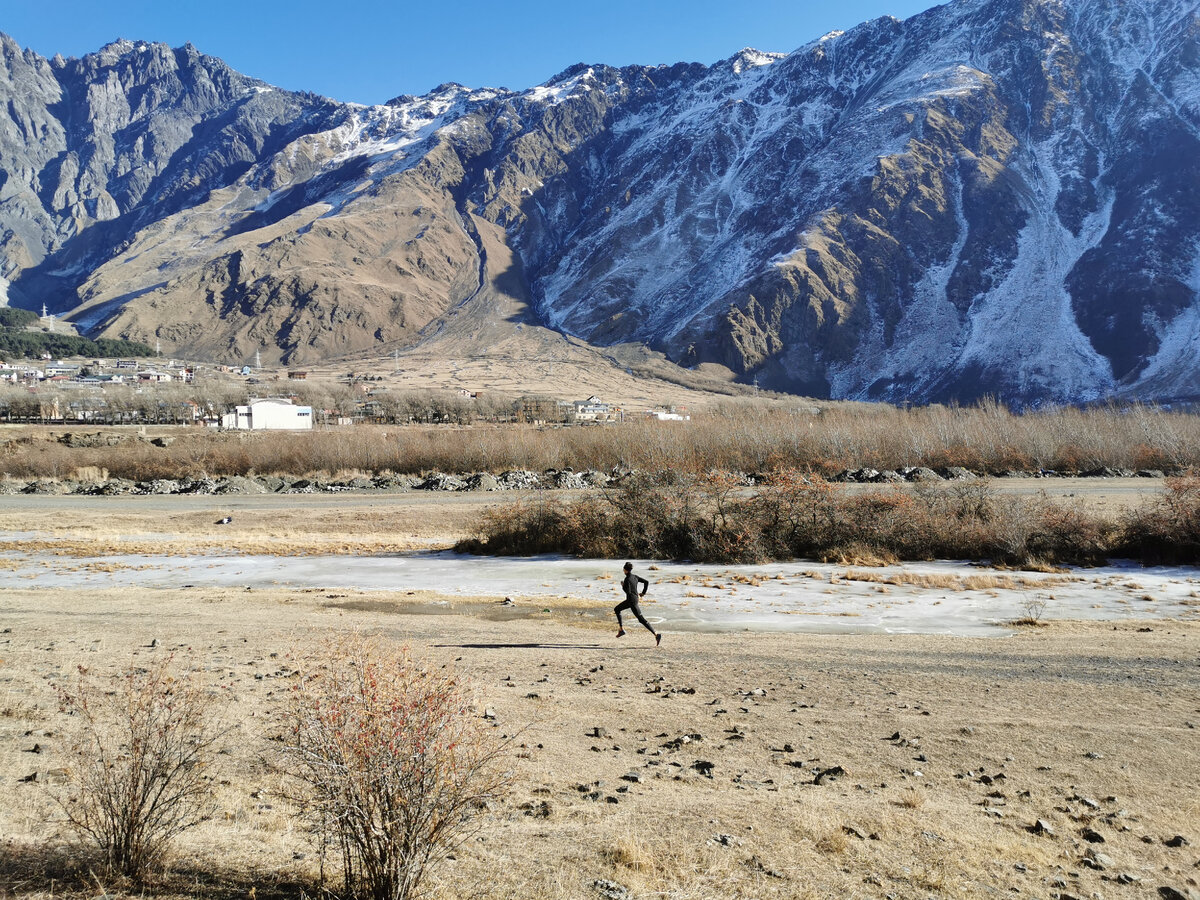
x=1083 y=726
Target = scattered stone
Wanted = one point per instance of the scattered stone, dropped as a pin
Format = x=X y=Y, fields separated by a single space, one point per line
x=832 y=772
x=157 y=486
x=853 y=832
x=633 y=777
x=1169 y=893
x=1092 y=836
x=489 y=713
x=45 y=486
x=704 y=767
x=755 y=863
x=725 y=840
x=598 y=732
x=610 y=890
x=481 y=481
x=1042 y=827
x=518 y=481
x=440 y=481
x=1177 y=841
x=1095 y=860
x=919 y=473
x=956 y=473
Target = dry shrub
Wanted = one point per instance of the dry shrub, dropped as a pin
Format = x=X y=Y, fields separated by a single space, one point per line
x=389 y=761
x=716 y=517
x=631 y=852
x=90 y=473
x=745 y=436
x=833 y=842
x=139 y=745
x=912 y=798
x=1034 y=608
x=1166 y=529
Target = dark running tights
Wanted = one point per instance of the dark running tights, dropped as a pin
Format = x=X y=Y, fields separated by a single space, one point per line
x=632 y=606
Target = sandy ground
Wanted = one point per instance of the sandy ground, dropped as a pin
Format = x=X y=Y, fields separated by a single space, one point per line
x=951 y=748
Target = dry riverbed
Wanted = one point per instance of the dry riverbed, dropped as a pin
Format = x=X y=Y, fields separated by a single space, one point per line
x=720 y=765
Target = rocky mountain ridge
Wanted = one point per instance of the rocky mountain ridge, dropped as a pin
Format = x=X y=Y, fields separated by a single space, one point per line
x=996 y=197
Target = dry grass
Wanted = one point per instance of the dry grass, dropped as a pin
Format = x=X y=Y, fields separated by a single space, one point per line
x=734 y=435
x=1026 y=707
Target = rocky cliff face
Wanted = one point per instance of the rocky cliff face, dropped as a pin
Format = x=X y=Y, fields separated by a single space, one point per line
x=996 y=196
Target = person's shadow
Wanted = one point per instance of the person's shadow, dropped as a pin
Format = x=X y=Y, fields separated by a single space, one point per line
x=533 y=646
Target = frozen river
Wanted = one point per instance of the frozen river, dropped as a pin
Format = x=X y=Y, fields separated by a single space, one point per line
x=936 y=598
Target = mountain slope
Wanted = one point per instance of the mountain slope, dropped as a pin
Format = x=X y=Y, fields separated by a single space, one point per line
x=995 y=196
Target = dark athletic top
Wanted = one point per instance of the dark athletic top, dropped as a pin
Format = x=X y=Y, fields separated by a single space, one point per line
x=630 y=584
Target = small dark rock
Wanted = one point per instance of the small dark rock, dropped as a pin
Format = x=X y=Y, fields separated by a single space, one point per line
x=832 y=772
x=1042 y=827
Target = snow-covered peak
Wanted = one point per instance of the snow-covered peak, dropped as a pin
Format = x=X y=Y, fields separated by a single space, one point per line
x=749 y=58
x=561 y=86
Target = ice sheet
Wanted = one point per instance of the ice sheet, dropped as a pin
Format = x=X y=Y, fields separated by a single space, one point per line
x=936 y=598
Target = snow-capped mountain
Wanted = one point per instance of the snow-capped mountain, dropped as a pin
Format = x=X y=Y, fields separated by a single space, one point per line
x=995 y=196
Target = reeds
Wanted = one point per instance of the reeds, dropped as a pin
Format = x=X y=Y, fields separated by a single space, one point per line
x=744 y=436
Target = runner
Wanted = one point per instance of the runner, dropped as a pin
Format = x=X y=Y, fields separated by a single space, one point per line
x=630 y=586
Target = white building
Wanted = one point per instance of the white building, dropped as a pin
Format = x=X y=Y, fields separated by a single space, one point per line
x=269 y=414
x=591 y=409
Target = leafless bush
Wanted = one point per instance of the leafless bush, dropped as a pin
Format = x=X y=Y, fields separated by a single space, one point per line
x=139 y=746
x=714 y=517
x=1166 y=529
x=390 y=763
x=1034 y=608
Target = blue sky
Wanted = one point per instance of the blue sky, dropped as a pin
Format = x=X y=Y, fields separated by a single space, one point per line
x=370 y=52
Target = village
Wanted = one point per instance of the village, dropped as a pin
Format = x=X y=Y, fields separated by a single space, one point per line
x=128 y=391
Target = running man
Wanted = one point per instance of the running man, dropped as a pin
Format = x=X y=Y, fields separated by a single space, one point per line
x=630 y=586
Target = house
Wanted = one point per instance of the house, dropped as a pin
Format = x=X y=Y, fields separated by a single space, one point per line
x=667 y=415
x=55 y=369
x=153 y=376
x=591 y=409
x=273 y=414
x=294 y=375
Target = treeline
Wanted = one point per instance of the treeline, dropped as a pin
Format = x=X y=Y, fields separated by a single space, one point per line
x=713 y=518
x=18 y=342
x=17 y=318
